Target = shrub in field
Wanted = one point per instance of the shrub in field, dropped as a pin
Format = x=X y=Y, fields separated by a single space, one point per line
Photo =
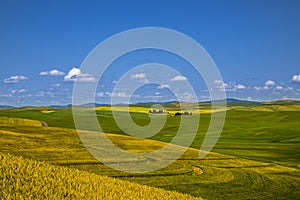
x=28 y=179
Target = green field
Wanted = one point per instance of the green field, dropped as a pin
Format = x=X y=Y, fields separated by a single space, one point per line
x=256 y=157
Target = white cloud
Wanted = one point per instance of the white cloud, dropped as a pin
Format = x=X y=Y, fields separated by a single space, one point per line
x=111 y=94
x=230 y=87
x=179 y=78
x=72 y=74
x=157 y=93
x=18 y=91
x=163 y=86
x=75 y=74
x=144 y=81
x=15 y=79
x=185 y=96
x=138 y=76
x=136 y=96
x=22 y=90
x=100 y=94
x=240 y=86
x=261 y=88
x=119 y=94
x=40 y=94
x=116 y=94
x=279 y=87
x=45 y=94
x=53 y=72
x=5 y=95
x=142 y=78
x=270 y=83
x=265 y=87
x=296 y=78
x=249 y=98
x=114 y=82
x=220 y=84
x=56 y=85
x=257 y=88
x=150 y=97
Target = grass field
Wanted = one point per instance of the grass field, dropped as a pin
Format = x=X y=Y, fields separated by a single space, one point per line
x=28 y=179
x=256 y=157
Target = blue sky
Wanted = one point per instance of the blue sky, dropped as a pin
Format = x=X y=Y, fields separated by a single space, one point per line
x=255 y=44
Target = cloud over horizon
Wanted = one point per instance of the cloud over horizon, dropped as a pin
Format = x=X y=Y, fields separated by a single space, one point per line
x=15 y=79
x=53 y=72
x=163 y=86
x=270 y=83
x=240 y=86
x=179 y=78
x=296 y=78
x=229 y=87
x=141 y=77
x=75 y=74
x=266 y=90
x=138 y=76
x=18 y=91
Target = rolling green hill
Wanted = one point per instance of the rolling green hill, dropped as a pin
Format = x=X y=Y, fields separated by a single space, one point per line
x=256 y=157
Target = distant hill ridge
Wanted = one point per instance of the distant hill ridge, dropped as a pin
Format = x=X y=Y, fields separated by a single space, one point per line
x=4 y=106
x=228 y=100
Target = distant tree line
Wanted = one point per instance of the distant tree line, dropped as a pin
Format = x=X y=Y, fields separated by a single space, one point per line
x=184 y=113
x=156 y=111
x=160 y=111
